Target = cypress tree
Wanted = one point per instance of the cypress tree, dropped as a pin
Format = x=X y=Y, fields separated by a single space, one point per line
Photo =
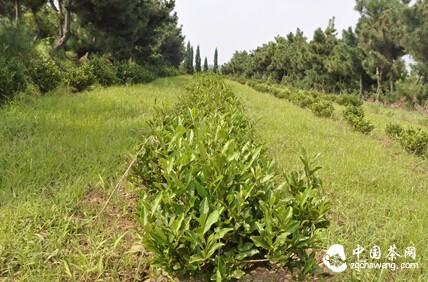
x=188 y=62
x=191 y=56
x=198 y=60
x=215 y=61
x=206 y=68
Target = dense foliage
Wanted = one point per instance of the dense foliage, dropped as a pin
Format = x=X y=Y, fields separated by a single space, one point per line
x=44 y=41
x=368 y=60
x=212 y=199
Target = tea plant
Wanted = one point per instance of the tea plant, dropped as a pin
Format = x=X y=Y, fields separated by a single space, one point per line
x=213 y=202
x=104 y=71
x=394 y=131
x=415 y=141
x=356 y=118
x=323 y=109
x=45 y=74
x=80 y=78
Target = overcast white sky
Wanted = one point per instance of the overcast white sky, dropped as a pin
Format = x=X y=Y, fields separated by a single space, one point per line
x=234 y=25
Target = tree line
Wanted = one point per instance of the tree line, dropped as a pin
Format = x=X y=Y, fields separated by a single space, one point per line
x=144 y=30
x=45 y=44
x=368 y=60
x=193 y=62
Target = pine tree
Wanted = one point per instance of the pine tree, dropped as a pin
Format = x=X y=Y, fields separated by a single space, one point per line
x=198 y=61
x=215 y=69
x=206 y=68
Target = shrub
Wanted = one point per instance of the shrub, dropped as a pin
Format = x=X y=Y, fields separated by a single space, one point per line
x=415 y=141
x=352 y=112
x=323 y=109
x=165 y=71
x=302 y=99
x=80 y=78
x=262 y=88
x=103 y=70
x=394 y=130
x=12 y=78
x=349 y=100
x=133 y=73
x=213 y=199
x=355 y=117
x=45 y=74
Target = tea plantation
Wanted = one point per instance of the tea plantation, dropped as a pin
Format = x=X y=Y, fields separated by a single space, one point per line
x=206 y=178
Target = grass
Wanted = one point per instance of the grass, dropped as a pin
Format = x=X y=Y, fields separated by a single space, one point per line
x=378 y=192
x=60 y=157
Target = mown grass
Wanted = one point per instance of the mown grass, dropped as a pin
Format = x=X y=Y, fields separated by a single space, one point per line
x=378 y=192
x=60 y=158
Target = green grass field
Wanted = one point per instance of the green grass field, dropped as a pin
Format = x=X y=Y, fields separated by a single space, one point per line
x=62 y=157
x=378 y=192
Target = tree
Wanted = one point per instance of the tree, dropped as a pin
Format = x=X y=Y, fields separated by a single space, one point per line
x=206 y=67
x=198 y=61
x=215 y=69
x=238 y=65
x=139 y=29
x=191 y=60
x=188 y=61
x=380 y=29
x=18 y=11
x=65 y=20
x=415 y=38
x=345 y=63
x=34 y=6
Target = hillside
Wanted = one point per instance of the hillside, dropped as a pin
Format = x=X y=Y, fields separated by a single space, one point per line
x=65 y=214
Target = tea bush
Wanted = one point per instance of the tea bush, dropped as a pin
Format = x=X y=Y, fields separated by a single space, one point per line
x=323 y=109
x=12 y=78
x=415 y=141
x=302 y=100
x=213 y=201
x=394 y=130
x=80 y=78
x=133 y=73
x=44 y=73
x=104 y=71
x=353 y=111
x=356 y=118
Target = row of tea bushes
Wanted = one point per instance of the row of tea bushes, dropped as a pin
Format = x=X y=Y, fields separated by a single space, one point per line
x=414 y=141
x=319 y=105
x=355 y=117
x=282 y=91
x=213 y=203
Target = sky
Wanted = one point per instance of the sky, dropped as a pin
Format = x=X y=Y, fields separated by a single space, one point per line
x=233 y=25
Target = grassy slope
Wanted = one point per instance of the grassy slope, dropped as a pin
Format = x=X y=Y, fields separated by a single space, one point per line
x=378 y=192
x=54 y=152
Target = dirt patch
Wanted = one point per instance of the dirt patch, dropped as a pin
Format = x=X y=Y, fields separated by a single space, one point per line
x=111 y=231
